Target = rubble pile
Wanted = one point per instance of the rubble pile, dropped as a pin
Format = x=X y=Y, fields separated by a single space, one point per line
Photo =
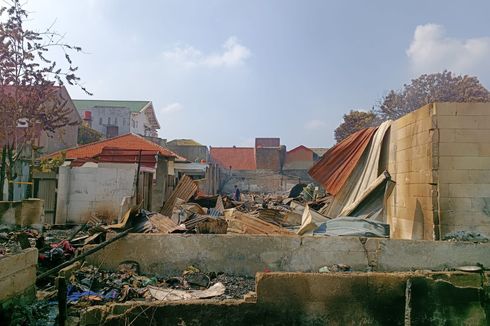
x=89 y=285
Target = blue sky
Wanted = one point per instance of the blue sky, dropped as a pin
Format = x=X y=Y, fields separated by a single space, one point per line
x=224 y=72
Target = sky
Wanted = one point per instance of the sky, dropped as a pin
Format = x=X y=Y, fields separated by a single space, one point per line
x=223 y=72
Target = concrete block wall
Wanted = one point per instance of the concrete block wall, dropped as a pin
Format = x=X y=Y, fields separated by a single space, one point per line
x=411 y=208
x=439 y=157
x=463 y=166
x=18 y=277
x=249 y=254
x=84 y=191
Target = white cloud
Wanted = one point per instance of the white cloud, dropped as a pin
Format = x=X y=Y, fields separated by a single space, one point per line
x=432 y=51
x=172 y=108
x=315 y=124
x=233 y=54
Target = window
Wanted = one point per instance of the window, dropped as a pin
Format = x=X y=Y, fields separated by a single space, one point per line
x=134 y=125
x=109 y=120
x=115 y=121
x=100 y=121
x=124 y=121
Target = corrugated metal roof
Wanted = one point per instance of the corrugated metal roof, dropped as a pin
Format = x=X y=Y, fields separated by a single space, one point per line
x=184 y=190
x=121 y=155
x=133 y=106
x=339 y=161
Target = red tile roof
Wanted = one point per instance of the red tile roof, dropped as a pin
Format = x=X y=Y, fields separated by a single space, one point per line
x=337 y=164
x=239 y=158
x=128 y=141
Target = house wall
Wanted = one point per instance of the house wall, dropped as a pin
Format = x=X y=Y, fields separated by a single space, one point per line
x=268 y=158
x=300 y=159
x=86 y=191
x=411 y=207
x=267 y=142
x=257 y=181
x=439 y=157
x=139 y=121
x=118 y=116
x=192 y=153
x=463 y=166
x=62 y=138
x=65 y=137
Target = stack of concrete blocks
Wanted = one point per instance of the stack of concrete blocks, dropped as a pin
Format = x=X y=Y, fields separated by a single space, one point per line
x=439 y=157
x=18 y=278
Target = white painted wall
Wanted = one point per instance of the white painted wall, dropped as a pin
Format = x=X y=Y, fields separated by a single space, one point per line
x=83 y=191
x=138 y=123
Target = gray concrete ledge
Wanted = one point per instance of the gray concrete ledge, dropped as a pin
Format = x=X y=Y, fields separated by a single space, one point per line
x=249 y=254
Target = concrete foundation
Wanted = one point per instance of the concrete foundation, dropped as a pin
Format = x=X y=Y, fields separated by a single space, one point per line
x=28 y=212
x=323 y=299
x=247 y=255
x=17 y=280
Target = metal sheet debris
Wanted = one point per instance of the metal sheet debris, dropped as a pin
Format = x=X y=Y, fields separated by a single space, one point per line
x=339 y=161
x=186 y=188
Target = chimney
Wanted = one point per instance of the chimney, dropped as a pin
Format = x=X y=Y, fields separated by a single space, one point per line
x=87 y=117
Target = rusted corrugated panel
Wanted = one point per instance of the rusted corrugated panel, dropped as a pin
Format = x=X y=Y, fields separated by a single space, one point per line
x=162 y=223
x=338 y=162
x=120 y=155
x=184 y=190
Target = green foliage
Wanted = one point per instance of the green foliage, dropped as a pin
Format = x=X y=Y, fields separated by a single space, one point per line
x=87 y=135
x=353 y=122
x=52 y=163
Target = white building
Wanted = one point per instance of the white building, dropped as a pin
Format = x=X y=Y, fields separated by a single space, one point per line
x=114 y=118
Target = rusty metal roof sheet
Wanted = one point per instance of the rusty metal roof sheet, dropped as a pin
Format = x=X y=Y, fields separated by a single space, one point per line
x=186 y=188
x=120 y=155
x=338 y=162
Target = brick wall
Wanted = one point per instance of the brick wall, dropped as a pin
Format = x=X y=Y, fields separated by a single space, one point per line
x=268 y=158
x=299 y=159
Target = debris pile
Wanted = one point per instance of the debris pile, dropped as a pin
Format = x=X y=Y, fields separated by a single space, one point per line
x=89 y=286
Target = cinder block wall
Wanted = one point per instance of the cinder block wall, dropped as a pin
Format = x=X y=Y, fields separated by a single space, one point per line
x=18 y=277
x=463 y=166
x=439 y=157
x=412 y=204
x=83 y=191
